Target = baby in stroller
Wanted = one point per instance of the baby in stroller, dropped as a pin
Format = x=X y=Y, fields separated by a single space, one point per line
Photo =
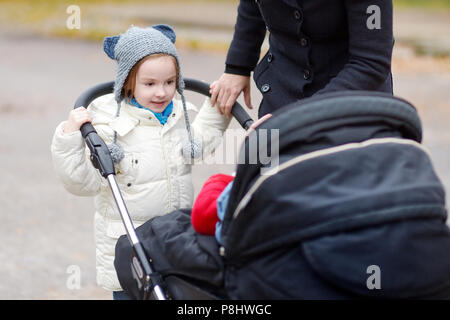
x=354 y=210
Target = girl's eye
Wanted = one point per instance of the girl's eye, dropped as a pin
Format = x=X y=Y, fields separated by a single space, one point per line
x=170 y=81
x=149 y=84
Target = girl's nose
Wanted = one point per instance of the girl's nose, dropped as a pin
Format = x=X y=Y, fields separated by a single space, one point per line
x=160 y=92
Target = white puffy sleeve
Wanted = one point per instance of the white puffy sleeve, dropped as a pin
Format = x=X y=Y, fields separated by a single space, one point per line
x=72 y=164
x=209 y=126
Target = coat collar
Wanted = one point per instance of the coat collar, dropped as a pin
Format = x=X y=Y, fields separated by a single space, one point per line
x=131 y=116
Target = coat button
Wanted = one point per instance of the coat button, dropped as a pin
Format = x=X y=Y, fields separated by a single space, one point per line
x=265 y=88
x=306 y=74
x=304 y=42
x=269 y=57
x=297 y=15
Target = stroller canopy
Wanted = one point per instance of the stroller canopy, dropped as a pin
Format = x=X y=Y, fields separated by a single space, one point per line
x=352 y=188
x=346 y=192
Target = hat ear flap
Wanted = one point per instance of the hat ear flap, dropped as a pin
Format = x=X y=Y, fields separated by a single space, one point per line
x=109 y=43
x=166 y=30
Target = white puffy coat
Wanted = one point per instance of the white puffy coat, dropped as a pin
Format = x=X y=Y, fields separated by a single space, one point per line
x=154 y=177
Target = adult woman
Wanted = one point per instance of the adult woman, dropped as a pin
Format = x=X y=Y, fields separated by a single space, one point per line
x=315 y=47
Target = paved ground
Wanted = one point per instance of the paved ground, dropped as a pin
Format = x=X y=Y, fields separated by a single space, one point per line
x=44 y=230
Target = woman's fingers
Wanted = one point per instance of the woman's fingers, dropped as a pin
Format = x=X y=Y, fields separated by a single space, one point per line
x=213 y=91
x=226 y=89
x=220 y=97
x=257 y=123
x=230 y=102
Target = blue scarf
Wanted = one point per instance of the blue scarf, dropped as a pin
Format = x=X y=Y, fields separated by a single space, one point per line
x=161 y=116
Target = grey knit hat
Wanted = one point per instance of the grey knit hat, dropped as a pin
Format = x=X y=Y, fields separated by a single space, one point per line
x=137 y=43
x=128 y=49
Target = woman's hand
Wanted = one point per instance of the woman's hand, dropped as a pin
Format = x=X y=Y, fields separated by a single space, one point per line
x=255 y=124
x=225 y=91
x=77 y=117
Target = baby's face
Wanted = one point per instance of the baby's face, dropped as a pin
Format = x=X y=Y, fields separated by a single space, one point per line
x=156 y=82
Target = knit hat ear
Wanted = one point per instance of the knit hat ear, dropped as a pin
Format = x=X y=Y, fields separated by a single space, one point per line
x=166 y=30
x=109 y=44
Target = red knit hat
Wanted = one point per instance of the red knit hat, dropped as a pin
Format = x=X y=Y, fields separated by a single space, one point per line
x=204 y=212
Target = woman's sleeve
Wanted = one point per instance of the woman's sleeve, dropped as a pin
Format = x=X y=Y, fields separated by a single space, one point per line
x=72 y=165
x=209 y=126
x=370 y=46
x=249 y=33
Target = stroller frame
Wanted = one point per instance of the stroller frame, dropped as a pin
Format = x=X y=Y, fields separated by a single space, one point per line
x=149 y=281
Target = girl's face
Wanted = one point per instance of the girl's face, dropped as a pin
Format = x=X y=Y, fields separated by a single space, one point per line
x=156 y=81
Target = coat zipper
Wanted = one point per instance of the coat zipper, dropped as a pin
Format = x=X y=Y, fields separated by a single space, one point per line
x=169 y=202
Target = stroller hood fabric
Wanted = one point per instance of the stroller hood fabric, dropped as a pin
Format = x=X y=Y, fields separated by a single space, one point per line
x=353 y=208
x=355 y=148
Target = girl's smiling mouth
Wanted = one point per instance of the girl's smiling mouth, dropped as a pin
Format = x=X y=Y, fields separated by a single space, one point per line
x=158 y=104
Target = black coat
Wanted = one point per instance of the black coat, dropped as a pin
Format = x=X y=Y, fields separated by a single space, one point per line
x=316 y=46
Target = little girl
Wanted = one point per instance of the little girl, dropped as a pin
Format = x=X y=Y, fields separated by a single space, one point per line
x=149 y=135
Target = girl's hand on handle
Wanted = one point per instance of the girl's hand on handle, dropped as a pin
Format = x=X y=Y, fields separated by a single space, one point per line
x=225 y=91
x=77 y=117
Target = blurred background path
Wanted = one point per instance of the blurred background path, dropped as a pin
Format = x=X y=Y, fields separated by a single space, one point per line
x=44 y=230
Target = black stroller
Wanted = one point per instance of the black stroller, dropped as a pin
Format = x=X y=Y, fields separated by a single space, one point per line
x=346 y=206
